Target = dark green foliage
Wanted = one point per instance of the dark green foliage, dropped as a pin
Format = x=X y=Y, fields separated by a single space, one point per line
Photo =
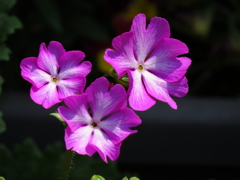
x=28 y=162
x=8 y=24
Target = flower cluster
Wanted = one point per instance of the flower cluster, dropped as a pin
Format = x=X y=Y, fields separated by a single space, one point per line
x=98 y=119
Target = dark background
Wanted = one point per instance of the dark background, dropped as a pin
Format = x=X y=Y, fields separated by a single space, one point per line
x=194 y=146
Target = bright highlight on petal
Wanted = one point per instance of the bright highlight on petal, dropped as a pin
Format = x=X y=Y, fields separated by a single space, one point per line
x=150 y=58
x=55 y=74
x=98 y=120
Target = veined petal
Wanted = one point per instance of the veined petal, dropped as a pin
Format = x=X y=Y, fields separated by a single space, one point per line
x=157 y=88
x=70 y=87
x=123 y=58
x=104 y=146
x=81 y=70
x=164 y=63
x=139 y=99
x=77 y=117
x=79 y=139
x=70 y=60
x=117 y=126
x=48 y=58
x=32 y=73
x=179 y=88
x=146 y=39
x=47 y=95
x=104 y=101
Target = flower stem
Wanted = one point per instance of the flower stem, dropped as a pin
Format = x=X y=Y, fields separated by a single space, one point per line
x=67 y=162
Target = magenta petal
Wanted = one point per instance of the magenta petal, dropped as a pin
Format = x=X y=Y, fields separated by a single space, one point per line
x=70 y=59
x=104 y=101
x=47 y=95
x=117 y=126
x=70 y=87
x=76 y=114
x=78 y=140
x=81 y=70
x=157 y=88
x=48 y=58
x=179 y=88
x=146 y=39
x=104 y=146
x=32 y=73
x=123 y=58
x=139 y=99
x=164 y=63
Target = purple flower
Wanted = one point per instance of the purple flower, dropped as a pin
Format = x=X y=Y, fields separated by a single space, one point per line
x=98 y=120
x=149 y=57
x=55 y=74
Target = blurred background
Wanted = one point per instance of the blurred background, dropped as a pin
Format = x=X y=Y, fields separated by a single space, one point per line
x=200 y=140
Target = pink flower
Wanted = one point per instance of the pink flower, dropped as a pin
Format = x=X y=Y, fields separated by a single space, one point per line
x=98 y=120
x=149 y=57
x=55 y=74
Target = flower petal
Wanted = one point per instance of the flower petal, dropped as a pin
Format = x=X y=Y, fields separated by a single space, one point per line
x=104 y=146
x=32 y=73
x=139 y=99
x=104 y=101
x=179 y=88
x=79 y=139
x=76 y=114
x=164 y=63
x=48 y=57
x=70 y=87
x=81 y=70
x=117 y=126
x=157 y=88
x=70 y=65
x=47 y=95
x=146 y=39
x=70 y=59
x=123 y=58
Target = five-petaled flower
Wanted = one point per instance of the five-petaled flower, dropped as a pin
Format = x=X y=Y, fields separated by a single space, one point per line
x=149 y=57
x=98 y=120
x=55 y=74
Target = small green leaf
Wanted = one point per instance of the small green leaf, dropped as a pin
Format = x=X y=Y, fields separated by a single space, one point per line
x=4 y=52
x=97 y=177
x=2 y=124
x=57 y=115
x=113 y=73
x=134 y=178
x=125 y=178
x=2 y=178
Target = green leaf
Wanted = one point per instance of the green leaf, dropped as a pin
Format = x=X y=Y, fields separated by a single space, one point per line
x=4 y=54
x=57 y=115
x=2 y=178
x=125 y=178
x=6 y=5
x=2 y=124
x=97 y=177
x=134 y=178
x=8 y=24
